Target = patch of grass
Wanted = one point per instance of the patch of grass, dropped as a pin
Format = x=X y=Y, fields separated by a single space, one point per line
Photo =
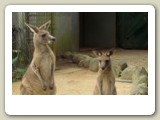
x=18 y=73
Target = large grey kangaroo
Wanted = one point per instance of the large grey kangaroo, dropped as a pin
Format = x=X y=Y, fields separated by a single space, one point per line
x=106 y=79
x=39 y=77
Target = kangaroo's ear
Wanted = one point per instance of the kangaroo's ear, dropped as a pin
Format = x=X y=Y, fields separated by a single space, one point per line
x=45 y=26
x=97 y=53
x=110 y=52
x=32 y=28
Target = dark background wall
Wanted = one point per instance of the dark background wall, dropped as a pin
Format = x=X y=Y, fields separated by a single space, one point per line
x=132 y=30
x=127 y=30
x=98 y=29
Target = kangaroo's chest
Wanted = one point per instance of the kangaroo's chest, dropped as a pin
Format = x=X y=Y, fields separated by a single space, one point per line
x=46 y=61
x=46 y=65
x=106 y=84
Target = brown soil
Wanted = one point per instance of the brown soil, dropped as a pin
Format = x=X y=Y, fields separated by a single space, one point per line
x=73 y=80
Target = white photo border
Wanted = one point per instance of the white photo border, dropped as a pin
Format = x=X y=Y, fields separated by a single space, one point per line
x=79 y=104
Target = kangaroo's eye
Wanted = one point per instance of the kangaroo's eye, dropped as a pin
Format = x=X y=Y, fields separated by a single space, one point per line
x=44 y=35
x=99 y=60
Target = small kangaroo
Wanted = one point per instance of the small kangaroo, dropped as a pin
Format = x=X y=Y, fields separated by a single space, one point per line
x=39 y=77
x=106 y=79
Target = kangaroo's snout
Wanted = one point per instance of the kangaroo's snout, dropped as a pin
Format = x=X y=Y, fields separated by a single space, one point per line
x=102 y=64
x=103 y=68
x=51 y=39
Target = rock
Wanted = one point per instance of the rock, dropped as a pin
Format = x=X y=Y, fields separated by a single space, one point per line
x=85 y=62
x=142 y=79
x=118 y=66
x=93 y=65
x=133 y=73
x=128 y=72
x=81 y=64
x=139 y=71
x=78 y=57
x=122 y=65
x=68 y=55
x=75 y=58
x=140 y=89
x=140 y=82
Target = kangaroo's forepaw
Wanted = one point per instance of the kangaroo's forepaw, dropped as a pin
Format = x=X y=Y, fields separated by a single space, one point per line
x=51 y=87
x=44 y=87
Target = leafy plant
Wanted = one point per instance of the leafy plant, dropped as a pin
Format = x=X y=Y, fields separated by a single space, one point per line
x=14 y=60
x=21 y=71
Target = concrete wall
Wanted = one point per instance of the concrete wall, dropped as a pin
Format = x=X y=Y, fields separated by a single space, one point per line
x=66 y=32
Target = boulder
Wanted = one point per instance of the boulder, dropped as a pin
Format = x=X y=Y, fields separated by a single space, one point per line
x=68 y=55
x=139 y=71
x=140 y=89
x=93 y=65
x=128 y=72
x=141 y=79
x=78 y=57
x=81 y=64
x=85 y=62
x=118 y=66
x=75 y=58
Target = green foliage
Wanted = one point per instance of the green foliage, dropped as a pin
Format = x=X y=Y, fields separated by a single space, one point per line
x=18 y=73
x=21 y=71
x=14 y=60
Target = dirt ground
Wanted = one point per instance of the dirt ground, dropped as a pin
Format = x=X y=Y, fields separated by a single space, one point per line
x=73 y=80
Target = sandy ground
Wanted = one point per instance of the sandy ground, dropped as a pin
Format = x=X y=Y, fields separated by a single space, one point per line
x=73 y=80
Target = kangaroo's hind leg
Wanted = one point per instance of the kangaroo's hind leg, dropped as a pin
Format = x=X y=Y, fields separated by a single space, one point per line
x=25 y=90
